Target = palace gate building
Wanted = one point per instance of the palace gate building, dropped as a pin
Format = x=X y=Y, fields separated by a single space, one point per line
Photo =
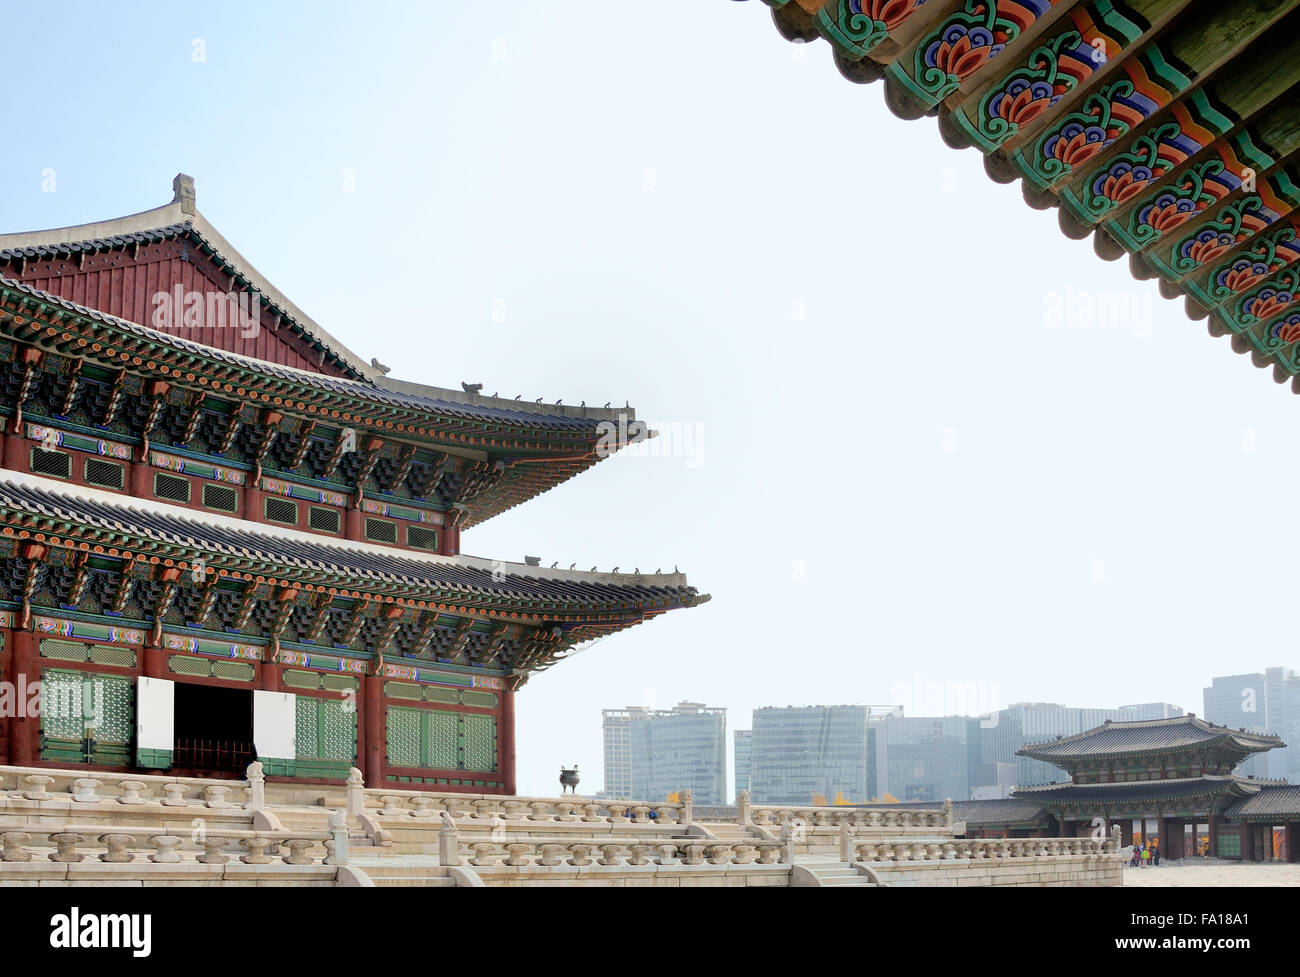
x=223 y=535
x=1173 y=774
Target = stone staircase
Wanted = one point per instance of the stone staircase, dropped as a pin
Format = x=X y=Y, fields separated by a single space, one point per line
x=829 y=873
x=406 y=872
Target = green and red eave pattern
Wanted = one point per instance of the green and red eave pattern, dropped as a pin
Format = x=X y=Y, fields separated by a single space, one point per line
x=1166 y=129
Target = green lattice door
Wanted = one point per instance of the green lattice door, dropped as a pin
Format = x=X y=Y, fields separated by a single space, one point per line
x=441 y=740
x=325 y=737
x=86 y=717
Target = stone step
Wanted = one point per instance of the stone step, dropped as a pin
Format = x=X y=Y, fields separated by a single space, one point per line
x=413 y=882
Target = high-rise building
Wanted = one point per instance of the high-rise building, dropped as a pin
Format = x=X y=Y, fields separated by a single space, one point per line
x=651 y=753
x=1003 y=733
x=744 y=743
x=803 y=752
x=685 y=746
x=1145 y=711
x=1261 y=702
x=926 y=758
x=617 y=736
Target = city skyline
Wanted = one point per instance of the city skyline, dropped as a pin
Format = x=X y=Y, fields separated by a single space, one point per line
x=1034 y=721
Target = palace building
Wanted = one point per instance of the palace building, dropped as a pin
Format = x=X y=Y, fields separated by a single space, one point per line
x=223 y=535
x=1173 y=774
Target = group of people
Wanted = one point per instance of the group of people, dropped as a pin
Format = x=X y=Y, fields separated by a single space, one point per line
x=1145 y=855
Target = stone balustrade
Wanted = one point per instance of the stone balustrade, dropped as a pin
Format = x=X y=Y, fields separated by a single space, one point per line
x=522 y=810
x=883 y=818
x=45 y=785
x=523 y=851
x=74 y=843
x=874 y=852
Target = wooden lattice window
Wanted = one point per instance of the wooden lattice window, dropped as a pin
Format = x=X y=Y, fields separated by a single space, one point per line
x=53 y=464
x=106 y=474
x=171 y=488
x=381 y=531
x=421 y=538
x=282 y=510
x=323 y=520
x=221 y=497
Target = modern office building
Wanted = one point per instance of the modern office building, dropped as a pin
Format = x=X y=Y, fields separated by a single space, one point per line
x=1261 y=702
x=926 y=758
x=617 y=745
x=803 y=752
x=1146 y=711
x=651 y=753
x=1002 y=734
x=744 y=743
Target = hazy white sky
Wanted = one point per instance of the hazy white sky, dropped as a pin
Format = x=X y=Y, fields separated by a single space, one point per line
x=905 y=461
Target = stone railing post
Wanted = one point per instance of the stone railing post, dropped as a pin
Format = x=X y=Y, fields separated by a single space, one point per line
x=742 y=808
x=846 y=842
x=256 y=788
x=11 y=846
x=947 y=812
x=356 y=794
x=448 y=842
x=688 y=808
x=36 y=784
x=787 y=842
x=339 y=832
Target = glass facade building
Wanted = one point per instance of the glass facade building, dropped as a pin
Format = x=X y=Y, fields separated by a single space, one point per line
x=803 y=752
x=926 y=758
x=1261 y=702
x=744 y=742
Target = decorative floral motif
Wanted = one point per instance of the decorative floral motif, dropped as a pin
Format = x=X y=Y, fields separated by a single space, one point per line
x=856 y=26
x=1234 y=224
x=1287 y=330
x=966 y=42
x=1105 y=116
x=1264 y=304
x=1239 y=275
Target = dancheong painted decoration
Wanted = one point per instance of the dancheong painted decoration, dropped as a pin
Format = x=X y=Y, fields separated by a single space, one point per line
x=1165 y=129
x=226 y=537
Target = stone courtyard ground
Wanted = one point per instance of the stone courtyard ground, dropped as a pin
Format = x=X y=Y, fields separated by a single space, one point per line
x=1215 y=872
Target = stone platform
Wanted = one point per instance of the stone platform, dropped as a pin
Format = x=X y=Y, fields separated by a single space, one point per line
x=74 y=827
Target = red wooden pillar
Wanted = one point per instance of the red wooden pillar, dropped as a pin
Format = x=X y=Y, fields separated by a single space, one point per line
x=23 y=728
x=142 y=477
x=15 y=452
x=450 y=539
x=251 y=501
x=352 y=520
x=508 y=740
x=268 y=673
x=1213 y=830
x=372 y=719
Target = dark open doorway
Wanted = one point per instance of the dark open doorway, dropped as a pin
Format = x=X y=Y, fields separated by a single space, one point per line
x=214 y=729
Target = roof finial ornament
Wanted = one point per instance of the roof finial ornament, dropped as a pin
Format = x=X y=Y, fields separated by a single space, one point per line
x=385 y=370
x=183 y=188
x=471 y=388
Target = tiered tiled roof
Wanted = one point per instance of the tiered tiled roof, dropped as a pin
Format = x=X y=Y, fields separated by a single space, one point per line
x=1117 y=739
x=1273 y=801
x=227 y=543
x=1141 y=791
